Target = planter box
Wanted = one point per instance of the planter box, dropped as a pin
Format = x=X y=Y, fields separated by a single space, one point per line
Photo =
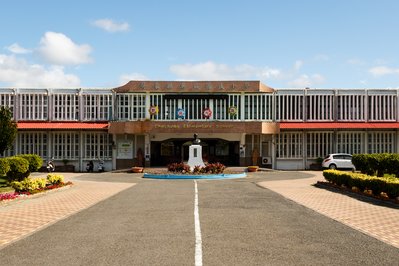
x=253 y=168
x=137 y=169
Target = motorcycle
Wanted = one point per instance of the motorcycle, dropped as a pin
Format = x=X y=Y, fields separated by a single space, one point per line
x=101 y=166
x=90 y=166
x=50 y=166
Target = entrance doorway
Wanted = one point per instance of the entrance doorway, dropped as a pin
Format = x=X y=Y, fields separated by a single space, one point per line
x=177 y=150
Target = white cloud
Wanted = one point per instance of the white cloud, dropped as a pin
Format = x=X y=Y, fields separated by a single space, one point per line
x=111 y=26
x=17 y=49
x=125 y=78
x=383 y=70
x=307 y=81
x=212 y=71
x=19 y=73
x=58 y=49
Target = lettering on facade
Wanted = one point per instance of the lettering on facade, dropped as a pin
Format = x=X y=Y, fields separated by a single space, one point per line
x=193 y=126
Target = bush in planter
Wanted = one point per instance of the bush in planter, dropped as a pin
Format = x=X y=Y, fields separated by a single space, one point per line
x=19 y=168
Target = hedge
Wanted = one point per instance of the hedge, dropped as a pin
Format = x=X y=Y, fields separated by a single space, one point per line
x=389 y=185
x=377 y=164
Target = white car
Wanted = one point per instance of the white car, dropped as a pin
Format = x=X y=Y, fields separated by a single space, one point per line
x=338 y=161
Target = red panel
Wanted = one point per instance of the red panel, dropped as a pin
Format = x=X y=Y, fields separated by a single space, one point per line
x=65 y=125
x=338 y=125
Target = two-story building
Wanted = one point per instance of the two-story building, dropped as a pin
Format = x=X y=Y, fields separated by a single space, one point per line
x=152 y=123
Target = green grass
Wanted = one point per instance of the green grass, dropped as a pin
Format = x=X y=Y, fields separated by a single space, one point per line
x=4 y=187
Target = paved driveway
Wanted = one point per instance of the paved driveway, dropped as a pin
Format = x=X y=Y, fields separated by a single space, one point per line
x=152 y=223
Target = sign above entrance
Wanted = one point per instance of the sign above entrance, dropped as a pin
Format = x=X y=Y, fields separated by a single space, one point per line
x=153 y=127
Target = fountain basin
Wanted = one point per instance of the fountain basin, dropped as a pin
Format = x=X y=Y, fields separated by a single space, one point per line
x=182 y=176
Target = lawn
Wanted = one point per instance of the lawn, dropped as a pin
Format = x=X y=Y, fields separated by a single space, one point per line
x=4 y=187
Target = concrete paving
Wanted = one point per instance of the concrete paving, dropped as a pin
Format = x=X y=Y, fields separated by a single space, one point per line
x=24 y=216
x=371 y=217
x=151 y=222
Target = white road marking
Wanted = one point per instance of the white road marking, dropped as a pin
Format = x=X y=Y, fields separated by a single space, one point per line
x=198 y=238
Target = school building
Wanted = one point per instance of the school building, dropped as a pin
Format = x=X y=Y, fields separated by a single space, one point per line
x=240 y=123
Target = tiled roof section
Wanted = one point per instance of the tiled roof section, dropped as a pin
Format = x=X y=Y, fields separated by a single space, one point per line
x=339 y=125
x=62 y=125
x=193 y=86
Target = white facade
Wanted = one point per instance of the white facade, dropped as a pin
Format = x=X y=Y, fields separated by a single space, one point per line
x=367 y=122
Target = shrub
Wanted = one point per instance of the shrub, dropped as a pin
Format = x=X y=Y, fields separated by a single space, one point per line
x=215 y=168
x=35 y=161
x=19 y=168
x=55 y=179
x=389 y=185
x=4 y=166
x=377 y=164
x=29 y=185
x=178 y=167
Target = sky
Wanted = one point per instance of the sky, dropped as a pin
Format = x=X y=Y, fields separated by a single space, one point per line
x=282 y=43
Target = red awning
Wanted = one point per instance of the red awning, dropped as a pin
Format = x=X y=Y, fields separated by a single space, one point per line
x=61 y=125
x=339 y=125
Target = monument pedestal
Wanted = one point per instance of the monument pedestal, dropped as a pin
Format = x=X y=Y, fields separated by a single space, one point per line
x=195 y=157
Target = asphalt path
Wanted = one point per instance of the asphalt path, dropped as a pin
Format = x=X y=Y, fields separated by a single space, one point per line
x=152 y=223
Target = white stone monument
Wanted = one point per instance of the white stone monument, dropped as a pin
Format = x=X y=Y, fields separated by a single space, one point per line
x=195 y=154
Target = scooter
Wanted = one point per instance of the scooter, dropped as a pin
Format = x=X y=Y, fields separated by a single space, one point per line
x=90 y=166
x=50 y=166
x=101 y=166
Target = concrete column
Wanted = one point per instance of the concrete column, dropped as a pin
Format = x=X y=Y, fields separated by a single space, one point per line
x=242 y=150
x=147 y=150
x=242 y=109
x=274 y=158
x=147 y=105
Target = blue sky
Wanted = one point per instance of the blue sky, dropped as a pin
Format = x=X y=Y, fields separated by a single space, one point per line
x=284 y=44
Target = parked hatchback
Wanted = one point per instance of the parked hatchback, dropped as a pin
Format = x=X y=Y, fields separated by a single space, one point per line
x=338 y=161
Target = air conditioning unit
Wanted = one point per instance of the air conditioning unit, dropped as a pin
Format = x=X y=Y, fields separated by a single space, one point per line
x=266 y=160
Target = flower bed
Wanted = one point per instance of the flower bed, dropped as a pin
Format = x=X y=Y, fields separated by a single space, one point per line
x=30 y=186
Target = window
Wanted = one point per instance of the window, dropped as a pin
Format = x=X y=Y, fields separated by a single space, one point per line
x=351 y=107
x=258 y=107
x=33 y=143
x=7 y=100
x=33 y=107
x=97 y=107
x=97 y=146
x=382 y=107
x=320 y=107
x=66 y=107
x=381 y=142
x=131 y=106
x=289 y=145
x=319 y=144
x=65 y=145
x=350 y=142
x=289 y=107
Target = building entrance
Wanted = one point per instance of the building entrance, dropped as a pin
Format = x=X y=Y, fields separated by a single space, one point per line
x=176 y=150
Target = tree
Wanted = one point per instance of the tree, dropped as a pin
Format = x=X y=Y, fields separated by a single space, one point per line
x=8 y=129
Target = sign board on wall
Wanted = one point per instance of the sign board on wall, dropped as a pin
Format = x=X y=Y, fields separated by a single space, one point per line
x=125 y=150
